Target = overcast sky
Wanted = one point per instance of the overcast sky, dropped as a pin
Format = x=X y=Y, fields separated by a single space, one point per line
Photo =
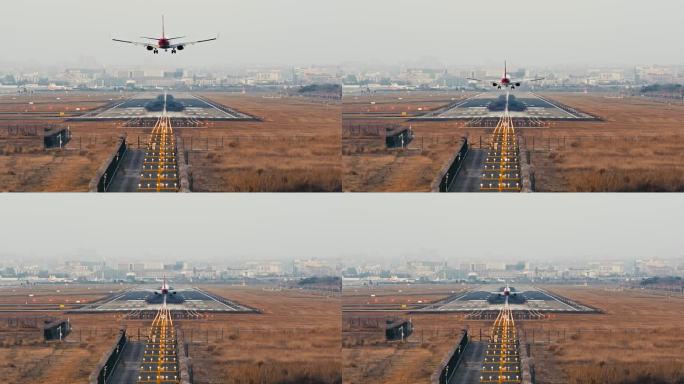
x=528 y=33
x=229 y=227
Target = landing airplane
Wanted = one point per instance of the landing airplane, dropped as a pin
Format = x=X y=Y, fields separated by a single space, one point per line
x=165 y=288
x=506 y=81
x=164 y=42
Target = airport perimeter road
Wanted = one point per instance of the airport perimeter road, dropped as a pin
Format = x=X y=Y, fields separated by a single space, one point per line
x=468 y=178
x=127 y=369
x=468 y=372
x=127 y=177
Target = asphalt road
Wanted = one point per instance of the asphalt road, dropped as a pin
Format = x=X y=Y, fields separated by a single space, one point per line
x=468 y=372
x=127 y=177
x=126 y=371
x=468 y=178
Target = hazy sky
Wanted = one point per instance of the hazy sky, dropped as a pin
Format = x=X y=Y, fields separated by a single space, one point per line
x=294 y=32
x=227 y=227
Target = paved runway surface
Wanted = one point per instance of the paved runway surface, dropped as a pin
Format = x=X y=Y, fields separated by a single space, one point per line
x=185 y=299
x=127 y=177
x=468 y=372
x=534 y=300
x=468 y=178
x=476 y=107
x=138 y=107
x=126 y=371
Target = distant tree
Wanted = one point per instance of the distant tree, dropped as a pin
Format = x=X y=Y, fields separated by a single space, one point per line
x=321 y=88
x=669 y=88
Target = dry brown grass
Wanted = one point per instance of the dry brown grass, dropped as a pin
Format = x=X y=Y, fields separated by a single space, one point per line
x=295 y=340
x=26 y=167
x=635 y=148
x=25 y=357
x=295 y=148
x=639 y=336
x=628 y=373
x=368 y=358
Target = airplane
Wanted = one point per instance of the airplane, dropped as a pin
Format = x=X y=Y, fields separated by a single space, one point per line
x=164 y=42
x=506 y=81
x=165 y=288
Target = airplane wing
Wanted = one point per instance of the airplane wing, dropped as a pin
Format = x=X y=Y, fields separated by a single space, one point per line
x=136 y=43
x=473 y=79
x=535 y=79
x=192 y=42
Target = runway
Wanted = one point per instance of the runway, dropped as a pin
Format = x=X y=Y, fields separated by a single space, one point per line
x=476 y=107
x=531 y=298
x=148 y=105
x=184 y=299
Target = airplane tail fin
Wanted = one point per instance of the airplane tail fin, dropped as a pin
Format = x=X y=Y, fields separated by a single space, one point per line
x=505 y=69
x=163 y=28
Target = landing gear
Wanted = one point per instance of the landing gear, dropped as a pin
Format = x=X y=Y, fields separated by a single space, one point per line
x=156 y=51
x=173 y=51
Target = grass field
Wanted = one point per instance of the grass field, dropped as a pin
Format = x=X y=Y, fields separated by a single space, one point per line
x=26 y=358
x=634 y=148
x=295 y=340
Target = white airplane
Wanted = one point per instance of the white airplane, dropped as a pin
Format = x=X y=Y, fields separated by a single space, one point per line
x=164 y=42
x=506 y=81
x=165 y=288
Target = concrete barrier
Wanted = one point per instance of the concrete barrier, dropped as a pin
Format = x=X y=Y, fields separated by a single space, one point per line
x=105 y=174
x=184 y=173
x=449 y=172
x=526 y=169
x=526 y=364
x=107 y=364
x=446 y=369
x=184 y=361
